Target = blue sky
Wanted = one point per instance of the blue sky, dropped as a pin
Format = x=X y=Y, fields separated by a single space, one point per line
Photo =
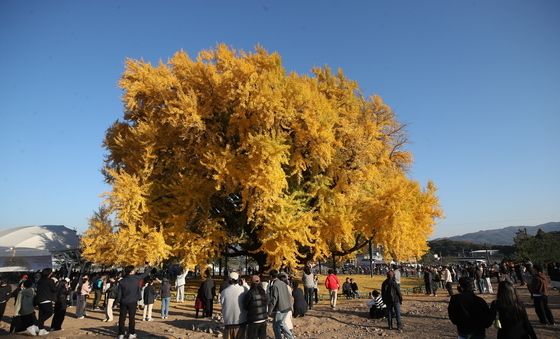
x=477 y=83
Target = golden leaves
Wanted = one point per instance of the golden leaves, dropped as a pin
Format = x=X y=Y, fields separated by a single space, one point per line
x=315 y=164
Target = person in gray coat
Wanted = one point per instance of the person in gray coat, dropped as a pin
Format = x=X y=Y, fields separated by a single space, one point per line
x=280 y=303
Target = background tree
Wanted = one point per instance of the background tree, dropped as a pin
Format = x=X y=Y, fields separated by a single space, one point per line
x=541 y=248
x=229 y=151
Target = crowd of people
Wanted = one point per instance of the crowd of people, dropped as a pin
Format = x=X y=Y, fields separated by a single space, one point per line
x=249 y=303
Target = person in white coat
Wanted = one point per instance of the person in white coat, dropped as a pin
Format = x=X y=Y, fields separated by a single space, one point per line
x=180 y=285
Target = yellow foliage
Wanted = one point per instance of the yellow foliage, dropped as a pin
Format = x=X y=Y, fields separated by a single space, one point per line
x=229 y=149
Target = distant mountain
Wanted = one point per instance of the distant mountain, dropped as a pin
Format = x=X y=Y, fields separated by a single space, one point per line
x=503 y=236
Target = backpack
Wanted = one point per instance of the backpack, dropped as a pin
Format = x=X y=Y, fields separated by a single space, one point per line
x=98 y=284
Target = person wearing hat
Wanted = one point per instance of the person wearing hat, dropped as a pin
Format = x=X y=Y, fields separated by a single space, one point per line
x=279 y=304
x=255 y=303
x=233 y=312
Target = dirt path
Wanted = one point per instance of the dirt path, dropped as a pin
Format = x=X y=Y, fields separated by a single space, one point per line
x=423 y=317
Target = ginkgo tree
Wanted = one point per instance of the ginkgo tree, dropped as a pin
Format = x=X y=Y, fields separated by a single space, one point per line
x=230 y=154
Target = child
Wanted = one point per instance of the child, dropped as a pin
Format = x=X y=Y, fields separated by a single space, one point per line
x=149 y=298
x=377 y=309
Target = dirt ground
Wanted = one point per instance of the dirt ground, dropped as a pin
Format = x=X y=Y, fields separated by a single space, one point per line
x=423 y=317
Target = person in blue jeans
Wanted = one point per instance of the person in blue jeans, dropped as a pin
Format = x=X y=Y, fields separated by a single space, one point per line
x=279 y=304
x=392 y=297
x=165 y=297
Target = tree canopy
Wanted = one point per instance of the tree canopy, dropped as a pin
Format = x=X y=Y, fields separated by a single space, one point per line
x=229 y=152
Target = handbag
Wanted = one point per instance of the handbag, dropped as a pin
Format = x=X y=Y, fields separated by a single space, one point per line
x=198 y=304
x=497 y=323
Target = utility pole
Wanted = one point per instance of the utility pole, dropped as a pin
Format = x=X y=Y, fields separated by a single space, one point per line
x=370 y=259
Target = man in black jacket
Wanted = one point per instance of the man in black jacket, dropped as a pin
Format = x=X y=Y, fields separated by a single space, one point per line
x=470 y=313
x=392 y=297
x=130 y=291
x=45 y=298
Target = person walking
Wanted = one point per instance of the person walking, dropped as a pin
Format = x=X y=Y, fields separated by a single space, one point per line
x=165 y=297
x=129 y=292
x=509 y=310
x=45 y=298
x=279 y=304
x=84 y=288
x=332 y=284
x=539 y=292
x=180 y=285
x=255 y=302
x=111 y=295
x=308 y=286
x=469 y=312
x=392 y=297
x=25 y=311
x=60 y=304
x=233 y=312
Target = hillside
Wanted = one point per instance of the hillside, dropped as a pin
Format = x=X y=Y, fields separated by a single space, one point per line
x=503 y=236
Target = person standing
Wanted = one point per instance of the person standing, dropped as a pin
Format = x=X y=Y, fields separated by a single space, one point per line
x=46 y=296
x=97 y=288
x=129 y=293
x=279 y=304
x=5 y=293
x=539 y=291
x=392 y=297
x=149 y=296
x=165 y=297
x=316 y=288
x=446 y=277
x=332 y=284
x=233 y=312
x=180 y=285
x=428 y=280
x=469 y=312
x=84 y=289
x=110 y=295
x=507 y=307
x=208 y=289
x=397 y=272
x=255 y=302
x=308 y=286
x=60 y=304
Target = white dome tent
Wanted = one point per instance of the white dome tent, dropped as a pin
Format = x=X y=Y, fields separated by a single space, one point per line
x=31 y=248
